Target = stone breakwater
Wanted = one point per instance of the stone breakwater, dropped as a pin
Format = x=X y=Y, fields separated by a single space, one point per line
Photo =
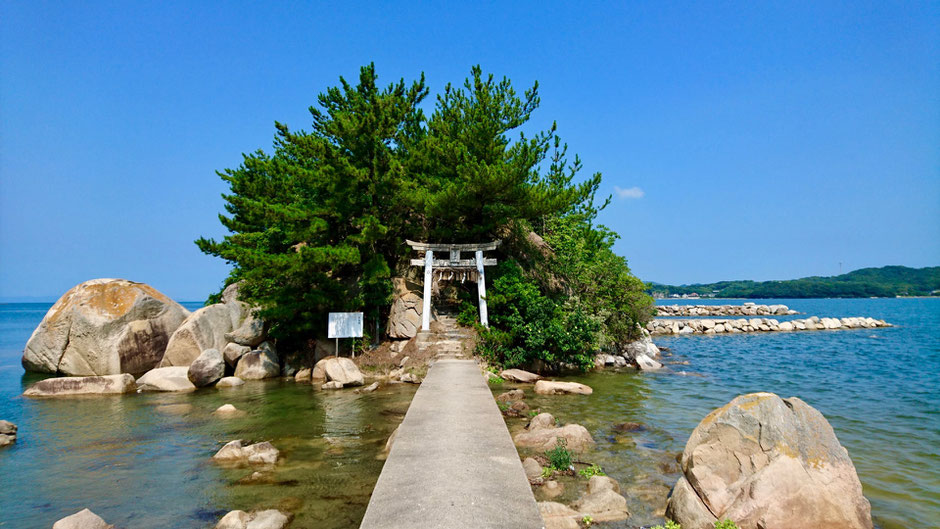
x=725 y=326
x=747 y=309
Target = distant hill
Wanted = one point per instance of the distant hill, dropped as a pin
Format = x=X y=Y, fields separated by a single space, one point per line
x=887 y=281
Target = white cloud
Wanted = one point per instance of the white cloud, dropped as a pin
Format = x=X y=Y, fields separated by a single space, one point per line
x=630 y=192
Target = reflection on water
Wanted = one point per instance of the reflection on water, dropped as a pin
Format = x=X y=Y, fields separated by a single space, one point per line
x=144 y=461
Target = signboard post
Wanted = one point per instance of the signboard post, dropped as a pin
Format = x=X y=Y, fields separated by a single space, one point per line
x=345 y=325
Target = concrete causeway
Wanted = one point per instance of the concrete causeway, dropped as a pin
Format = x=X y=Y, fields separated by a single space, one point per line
x=453 y=463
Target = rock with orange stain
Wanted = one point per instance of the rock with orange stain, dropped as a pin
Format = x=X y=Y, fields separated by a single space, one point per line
x=104 y=327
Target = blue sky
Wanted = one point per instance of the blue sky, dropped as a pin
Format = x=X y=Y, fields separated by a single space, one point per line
x=751 y=140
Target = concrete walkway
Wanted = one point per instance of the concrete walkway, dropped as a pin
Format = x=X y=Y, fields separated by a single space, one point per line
x=453 y=464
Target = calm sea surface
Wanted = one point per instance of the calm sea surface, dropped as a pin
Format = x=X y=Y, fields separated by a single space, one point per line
x=143 y=461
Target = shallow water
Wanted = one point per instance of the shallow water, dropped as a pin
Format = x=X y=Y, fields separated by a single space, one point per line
x=879 y=388
x=143 y=461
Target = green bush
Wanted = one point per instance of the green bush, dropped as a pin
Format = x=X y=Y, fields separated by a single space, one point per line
x=725 y=524
x=528 y=326
x=559 y=458
x=669 y=525
x=593 y=470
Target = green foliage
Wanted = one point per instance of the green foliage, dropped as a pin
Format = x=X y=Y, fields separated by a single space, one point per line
x=468 y=315
x=669 y=525
x=593 y=470
x=547 y=472
x=528 y=325
x=318 y=224
x=725 y=524
x=887 y=281
x=559 y=458
x=587 y=520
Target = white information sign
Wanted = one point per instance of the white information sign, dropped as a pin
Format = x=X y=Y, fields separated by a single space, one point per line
x=345 y=325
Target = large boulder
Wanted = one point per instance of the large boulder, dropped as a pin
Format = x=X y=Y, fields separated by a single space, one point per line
x=204 y=329
x=104 y=327
x=258 y=365
x=338 y=369
x=404 y=319
x=769 y=463
x=208 y=367
x=233 y=353
x=83 y=519
x=542 y=434
x=174 y=378
x=645 y=346
x=251 y=332
x=65 y=386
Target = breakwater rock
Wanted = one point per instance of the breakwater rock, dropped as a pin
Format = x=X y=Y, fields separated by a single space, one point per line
x=747 y=309
x=726 y=326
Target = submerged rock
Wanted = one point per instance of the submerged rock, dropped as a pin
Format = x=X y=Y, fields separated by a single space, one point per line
x=258 y=453
x=511 y=396
x=228 y=382
x=518 y=375
x=603 y=501
x=303 y=375
x=227 y=410
x=104 y=327
x=269 y=519
x=166 y=379
x=7 y=433
x=769 y=463
x=542 y=434
x=551 y=387
x=83 y=519
x=65 y=386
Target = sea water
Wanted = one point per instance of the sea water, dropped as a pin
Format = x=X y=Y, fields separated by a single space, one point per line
x=144 y=461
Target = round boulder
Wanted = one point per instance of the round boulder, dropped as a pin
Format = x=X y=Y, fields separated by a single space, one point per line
x=104 y=327
x=338 y=369
x=204 y=329
x=208 y=368
x=769 y=463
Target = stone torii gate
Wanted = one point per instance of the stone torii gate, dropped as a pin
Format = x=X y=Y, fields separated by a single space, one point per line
x=454 y=264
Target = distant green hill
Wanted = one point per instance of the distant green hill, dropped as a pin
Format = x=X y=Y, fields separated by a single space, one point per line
x=887 y=281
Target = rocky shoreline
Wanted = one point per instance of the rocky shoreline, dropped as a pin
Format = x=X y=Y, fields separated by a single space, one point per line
x=745 y=325
x=747 y=309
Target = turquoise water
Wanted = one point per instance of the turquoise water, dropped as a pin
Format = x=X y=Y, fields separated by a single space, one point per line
x=142 y=461
x=879 y=388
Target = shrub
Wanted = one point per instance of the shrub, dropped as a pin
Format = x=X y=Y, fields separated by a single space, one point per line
x=669 y=525
x=559 y=458
x=725 y=524
x=593 y=470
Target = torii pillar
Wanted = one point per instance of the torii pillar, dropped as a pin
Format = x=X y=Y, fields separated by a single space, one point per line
x=456 y=264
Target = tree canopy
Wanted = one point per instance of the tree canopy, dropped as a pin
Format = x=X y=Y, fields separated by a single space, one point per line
x=319 y=223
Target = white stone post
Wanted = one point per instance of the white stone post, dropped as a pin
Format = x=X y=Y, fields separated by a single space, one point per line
x=481 y=290
x=426 y=314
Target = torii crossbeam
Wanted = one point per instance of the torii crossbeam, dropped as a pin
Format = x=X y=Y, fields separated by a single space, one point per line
x=453 y=263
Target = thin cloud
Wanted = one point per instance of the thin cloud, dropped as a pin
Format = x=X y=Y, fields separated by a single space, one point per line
x=630 y=192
